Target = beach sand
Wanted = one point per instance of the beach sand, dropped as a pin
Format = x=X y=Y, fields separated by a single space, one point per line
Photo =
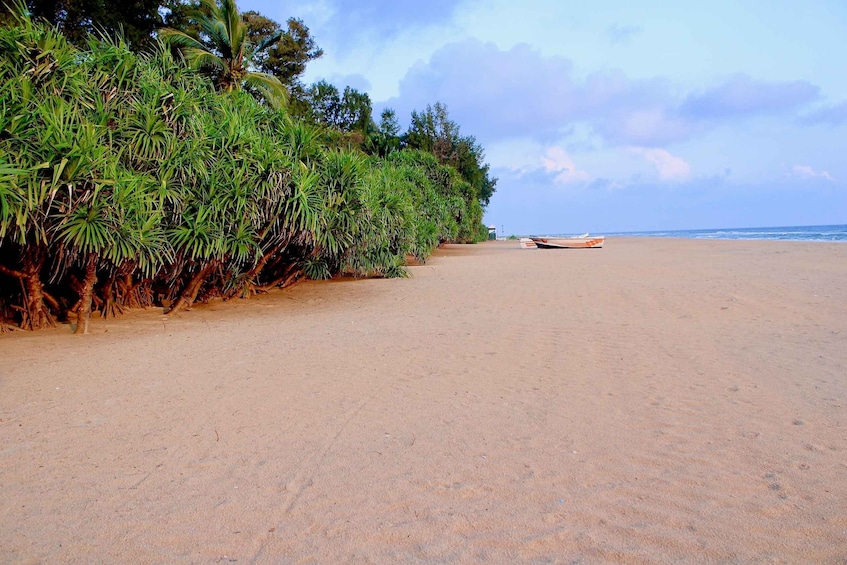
x=654 y=401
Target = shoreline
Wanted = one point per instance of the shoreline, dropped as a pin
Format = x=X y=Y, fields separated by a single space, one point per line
x=152 y=316
x=824 y=233
x=658 y=399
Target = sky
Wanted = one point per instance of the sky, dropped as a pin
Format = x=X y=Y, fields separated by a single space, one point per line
x=614 y=116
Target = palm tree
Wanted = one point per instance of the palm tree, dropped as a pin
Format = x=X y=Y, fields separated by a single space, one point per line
x=223 y=48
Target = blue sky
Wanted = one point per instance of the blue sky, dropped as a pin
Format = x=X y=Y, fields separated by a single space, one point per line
x=618 y=116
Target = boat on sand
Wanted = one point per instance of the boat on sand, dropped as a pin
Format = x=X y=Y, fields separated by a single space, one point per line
x=583 y=241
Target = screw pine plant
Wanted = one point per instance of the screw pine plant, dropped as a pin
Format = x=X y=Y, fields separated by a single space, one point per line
x=132 y=180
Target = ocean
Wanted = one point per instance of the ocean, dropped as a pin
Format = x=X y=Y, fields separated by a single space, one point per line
x=791 y=233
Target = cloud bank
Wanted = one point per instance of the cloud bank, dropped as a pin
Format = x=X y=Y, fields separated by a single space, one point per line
x=557 y=161
x=347 y=21
x=668 y=167
x=834 y=115
x=498 y=94
x=740 y=95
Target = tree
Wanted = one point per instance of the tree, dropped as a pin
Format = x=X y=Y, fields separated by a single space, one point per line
x=388 y=124
x=286 y=57
x=432 y=130
x=351 y=111
x=385 y=138
x=469 y=159
x=325 y=102
x=77 y=19
x=223 y=48
x=179 y=14
x=356 y=110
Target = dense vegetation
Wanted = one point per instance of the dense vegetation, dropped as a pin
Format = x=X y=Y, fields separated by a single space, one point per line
x=163 y=177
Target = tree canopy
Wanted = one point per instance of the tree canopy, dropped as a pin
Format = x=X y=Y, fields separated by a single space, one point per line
x=77 y=19
x=432 y=130
x=287 y=56
x=347 y=112
x=222 y=47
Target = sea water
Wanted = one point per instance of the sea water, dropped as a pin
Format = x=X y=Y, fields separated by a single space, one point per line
x=791 y=233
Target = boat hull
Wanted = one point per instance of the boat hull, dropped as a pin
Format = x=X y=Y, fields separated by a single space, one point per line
x=569 y=242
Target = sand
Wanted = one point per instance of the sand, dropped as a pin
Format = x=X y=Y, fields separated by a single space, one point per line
x=654 y=401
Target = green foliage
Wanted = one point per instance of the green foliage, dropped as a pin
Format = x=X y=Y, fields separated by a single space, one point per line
x=220 y=45
x=386 y=139
x=287 y=51
x=433 y=131
x=350 y=111
x=78 y=19
x=129 y=178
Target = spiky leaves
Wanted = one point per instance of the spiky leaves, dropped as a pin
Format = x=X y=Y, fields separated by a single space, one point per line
x=127 y=180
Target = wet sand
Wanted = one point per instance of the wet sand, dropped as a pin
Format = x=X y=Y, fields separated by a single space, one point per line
x=654 y=401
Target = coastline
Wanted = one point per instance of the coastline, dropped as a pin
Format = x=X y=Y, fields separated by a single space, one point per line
x=653 y=400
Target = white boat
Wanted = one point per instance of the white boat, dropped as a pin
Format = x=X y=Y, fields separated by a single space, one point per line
x=584 y=241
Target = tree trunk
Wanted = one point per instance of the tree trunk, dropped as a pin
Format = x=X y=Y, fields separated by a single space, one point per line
x=250 y=286
x=83 y=312
x=263 y=260
x=51 y=301
x=36 y=314
x=11 y=272
x=112 y=298
x=141 y=293
x=189 y=293
x=127 y=293
x=282 y=281
x=109 y=301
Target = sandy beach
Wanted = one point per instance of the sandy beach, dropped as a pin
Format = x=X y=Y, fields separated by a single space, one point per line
x=654 y=401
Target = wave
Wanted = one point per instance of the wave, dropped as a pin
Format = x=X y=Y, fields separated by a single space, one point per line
x=828 y=233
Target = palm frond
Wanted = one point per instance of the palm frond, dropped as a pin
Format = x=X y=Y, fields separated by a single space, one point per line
x=267 y=42
x=203 y=59
x=178 y=38
x=271 y=88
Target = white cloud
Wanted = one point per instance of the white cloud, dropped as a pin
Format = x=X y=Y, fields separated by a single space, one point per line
x=668 y=167
x=519 y=155
x=647 y=126
x=557 y=160
x=526 y=157
x=805 y=171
